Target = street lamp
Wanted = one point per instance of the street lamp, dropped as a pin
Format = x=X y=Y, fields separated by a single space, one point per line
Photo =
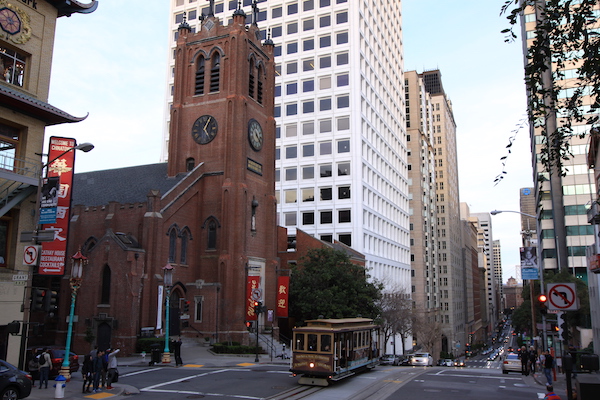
x=78 y=260
x=168 y=281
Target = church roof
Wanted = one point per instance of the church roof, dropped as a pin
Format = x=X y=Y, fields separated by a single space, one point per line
x=122 y=185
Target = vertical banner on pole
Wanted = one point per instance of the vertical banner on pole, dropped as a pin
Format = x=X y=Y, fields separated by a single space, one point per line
x=283 y=286
x=252 y=292
x=52 y=260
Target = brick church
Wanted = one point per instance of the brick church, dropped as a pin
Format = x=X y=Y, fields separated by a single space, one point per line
x=209 y=212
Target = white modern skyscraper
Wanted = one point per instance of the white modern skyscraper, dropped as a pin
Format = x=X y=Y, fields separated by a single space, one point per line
x=342 y=156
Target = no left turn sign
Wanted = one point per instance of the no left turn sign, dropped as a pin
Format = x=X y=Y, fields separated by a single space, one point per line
x=562 y=296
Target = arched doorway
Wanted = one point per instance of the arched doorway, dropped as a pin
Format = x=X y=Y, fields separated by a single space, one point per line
x=174 y=313
x=104 y=336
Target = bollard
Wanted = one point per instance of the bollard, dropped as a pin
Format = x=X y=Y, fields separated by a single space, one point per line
x=59 y=391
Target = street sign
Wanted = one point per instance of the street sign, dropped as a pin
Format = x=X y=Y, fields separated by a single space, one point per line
x=42 y=236
x=562 y=296
x=31 y=255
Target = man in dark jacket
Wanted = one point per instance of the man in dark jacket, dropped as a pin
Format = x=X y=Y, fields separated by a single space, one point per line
x=524 y=356
x=98 y=367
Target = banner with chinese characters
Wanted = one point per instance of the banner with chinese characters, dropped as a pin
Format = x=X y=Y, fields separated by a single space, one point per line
x=61 y=156
x=253 y=293
x=283 y=286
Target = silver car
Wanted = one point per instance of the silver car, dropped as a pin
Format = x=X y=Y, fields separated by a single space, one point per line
x=421 y=359
x=511 y=363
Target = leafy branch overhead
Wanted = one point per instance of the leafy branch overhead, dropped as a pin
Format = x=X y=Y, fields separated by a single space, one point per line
x=522 y=123
x=566 y=43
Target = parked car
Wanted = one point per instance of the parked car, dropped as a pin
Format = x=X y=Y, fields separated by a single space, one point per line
x=404 y=360
x=14 y=383
x=389 y=359
x=421 y=359
x=511 y=363
x=57 y=355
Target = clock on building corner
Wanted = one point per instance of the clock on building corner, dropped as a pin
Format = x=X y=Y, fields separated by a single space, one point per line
x=255 y=134
x=14 y=22
x=205 y=129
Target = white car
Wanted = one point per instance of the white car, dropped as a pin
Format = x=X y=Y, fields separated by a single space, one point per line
x=421 y=359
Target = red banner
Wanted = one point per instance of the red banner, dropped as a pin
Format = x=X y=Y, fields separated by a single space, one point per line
x=253 y=293
x=61 y=158
x=283 y=287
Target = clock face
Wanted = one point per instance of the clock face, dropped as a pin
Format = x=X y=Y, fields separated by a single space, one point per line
x=255 y=134
x=205 y=129
x=9 y=21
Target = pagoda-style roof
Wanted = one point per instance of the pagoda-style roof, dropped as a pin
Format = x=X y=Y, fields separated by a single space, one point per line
x=28 y=105
x=68 y=7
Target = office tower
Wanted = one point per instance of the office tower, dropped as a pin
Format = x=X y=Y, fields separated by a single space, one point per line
x=425 y=288
x=492 y=282
x=450 y=249
x=527 y=205
x=576 y=186
x=341 y=161
x=497 y=257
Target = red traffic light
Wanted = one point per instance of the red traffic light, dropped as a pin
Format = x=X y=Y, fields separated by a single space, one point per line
x=256 y=304
x=542 y=298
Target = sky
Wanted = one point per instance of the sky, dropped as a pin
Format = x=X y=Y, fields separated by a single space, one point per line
x=111 y=65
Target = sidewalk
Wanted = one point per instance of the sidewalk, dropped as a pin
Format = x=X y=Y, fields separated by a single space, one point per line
x=194 y=355
x=559 y=384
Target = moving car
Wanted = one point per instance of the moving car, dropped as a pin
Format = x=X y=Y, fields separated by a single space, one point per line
x=511 y=363
x=447 y=363
x=389 y=359
x=459 y=363
x=421 y=359
x=57 y=355
x=14 y=383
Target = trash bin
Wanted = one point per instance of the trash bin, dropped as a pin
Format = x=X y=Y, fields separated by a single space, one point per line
x=59 y=391
x=590 y=362
x=155 y=354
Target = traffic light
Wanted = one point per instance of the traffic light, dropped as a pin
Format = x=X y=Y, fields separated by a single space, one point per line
x=259 y=308
x=543 y=300
x=563 y=330
x=37 y=299
x=186 y=307
x=50 y=301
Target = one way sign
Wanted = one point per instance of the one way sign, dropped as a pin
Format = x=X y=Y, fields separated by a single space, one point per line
x=562 y=296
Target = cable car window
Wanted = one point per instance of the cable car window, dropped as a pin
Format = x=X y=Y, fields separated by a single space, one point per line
x=326 y=343
x=312 y=342
x=299 y=341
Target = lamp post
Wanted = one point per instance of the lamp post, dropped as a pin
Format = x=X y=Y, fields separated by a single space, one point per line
x=531 y=297
x=78 y=260
x=168 y=281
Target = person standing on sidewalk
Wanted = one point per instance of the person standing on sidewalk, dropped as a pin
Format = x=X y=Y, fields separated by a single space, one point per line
x=548 y=365
x=524 y=356
x=112 y=367
x=97 y=367
x=550 y=395
x=34 y=369
x=45 y=362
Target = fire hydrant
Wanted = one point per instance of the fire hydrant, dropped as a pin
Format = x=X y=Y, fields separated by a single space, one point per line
x=59 y=391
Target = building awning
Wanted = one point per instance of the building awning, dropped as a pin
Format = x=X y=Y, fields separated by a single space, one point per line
x=68 y=7
x=25 y=104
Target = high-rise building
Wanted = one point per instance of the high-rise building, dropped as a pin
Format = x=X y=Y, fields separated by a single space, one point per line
x=425 y=288
x=341 y=152
x=497 y=257
x=492 y=281
x=450 y=249
x=572 y=191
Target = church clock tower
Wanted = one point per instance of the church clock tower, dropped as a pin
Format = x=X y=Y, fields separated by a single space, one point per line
x=223 y=130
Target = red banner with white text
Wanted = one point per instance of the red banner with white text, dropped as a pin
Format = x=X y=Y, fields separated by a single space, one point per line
x=62 y=159
x=283 y=287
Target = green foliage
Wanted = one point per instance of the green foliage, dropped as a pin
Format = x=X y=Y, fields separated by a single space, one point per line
x=326 y=283
x=89 y=335
x=235 y=348
x=565 y=36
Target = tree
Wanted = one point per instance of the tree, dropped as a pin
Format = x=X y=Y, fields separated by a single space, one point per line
x=426 y=329
x=396 y=315
x=326 y=283
x=565 y=39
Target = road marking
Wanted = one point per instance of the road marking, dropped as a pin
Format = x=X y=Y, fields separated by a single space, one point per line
x=479 y=376
x=100 y=395
x=149 y=388
x=189 y=392
x=245 y=364
x=141 y=372
x=194 y=365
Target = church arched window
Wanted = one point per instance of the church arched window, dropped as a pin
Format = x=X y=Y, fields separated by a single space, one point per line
x=185 y=238
x=172 y=244
x=212 y=235
x=199 y=88
x=215 y=72
x=251 y=78
x=259 y=82
x=105 y=289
